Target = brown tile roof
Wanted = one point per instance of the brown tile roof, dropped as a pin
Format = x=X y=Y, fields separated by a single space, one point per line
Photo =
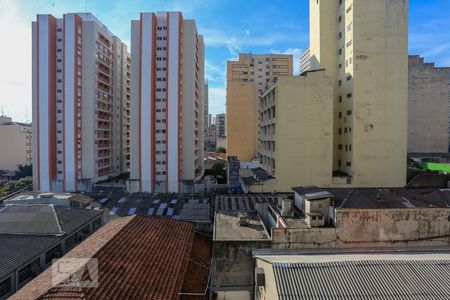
x=139 y=257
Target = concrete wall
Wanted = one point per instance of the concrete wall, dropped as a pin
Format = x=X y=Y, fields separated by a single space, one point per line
x=428 y=107
x=234 y=265
x=415 y=227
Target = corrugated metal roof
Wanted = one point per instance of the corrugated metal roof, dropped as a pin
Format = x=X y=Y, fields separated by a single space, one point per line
x=366 y=279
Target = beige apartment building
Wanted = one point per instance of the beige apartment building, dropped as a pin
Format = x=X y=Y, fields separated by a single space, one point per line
x=247 y=79
x=16 y=148
x=428 y=107
x=362 y=47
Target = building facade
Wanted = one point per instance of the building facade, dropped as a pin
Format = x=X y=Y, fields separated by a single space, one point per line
x=428 y=107
x=295 y=140
x=305 y=64
x=167 y=103
x=17 y=146
x=247 y=79
x=363 y=46
x=76 y=102
x=221 y=126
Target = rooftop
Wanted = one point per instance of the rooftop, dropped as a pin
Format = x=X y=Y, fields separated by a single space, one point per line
x=39 y=197
x=378 y=198
x=312 y=192
x=226 y=227
x=242 y=202
x=28 y=230
x=406 y=275
x=140 y=257
x=191 y=207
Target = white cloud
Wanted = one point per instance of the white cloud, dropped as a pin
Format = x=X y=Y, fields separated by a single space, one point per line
x=217 y=100
x=215 y=72
x=15 y=61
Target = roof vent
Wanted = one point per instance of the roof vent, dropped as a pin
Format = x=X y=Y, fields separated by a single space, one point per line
x=46 y=195
x=243 y=219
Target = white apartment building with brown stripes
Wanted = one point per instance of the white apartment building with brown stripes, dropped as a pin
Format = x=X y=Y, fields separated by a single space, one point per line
x=81 y=99
x=167 y=103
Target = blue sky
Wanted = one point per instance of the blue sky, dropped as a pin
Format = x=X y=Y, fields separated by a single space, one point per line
x=228 y=26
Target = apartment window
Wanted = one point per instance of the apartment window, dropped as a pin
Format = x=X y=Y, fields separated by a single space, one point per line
x=340 y=66
x=340 y=2
x=348 y=164
x=58 y=50
x=340 y=131
x=345 y=129
x=349 y=129
x=340 y=147
x=339 y=163
x=340 y=115
x=340 y=82
x=349 y=112
x=349 y=95
x=59 y=30
x=340 y=99
x=349 y=77
x=349 y=147
x=340 y=19
x=340 y=35
x=349 y=26
x=340 y=51
x=349 y=9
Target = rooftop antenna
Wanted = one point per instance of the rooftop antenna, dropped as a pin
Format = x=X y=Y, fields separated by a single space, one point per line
x=85 y=6
x=3 y=112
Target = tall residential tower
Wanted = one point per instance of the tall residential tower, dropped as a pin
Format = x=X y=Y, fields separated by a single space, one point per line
x=167 y=98
x=77 y=102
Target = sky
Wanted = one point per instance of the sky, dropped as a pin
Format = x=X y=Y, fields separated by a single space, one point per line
x=229 y=27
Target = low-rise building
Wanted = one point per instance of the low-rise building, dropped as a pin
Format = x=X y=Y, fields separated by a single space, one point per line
x=357 y=274
x=58 y=199
x=16 y=148
x=139 y=257
x=32 y=236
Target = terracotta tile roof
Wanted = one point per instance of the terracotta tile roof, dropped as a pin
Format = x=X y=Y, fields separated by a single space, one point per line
x=139 y=257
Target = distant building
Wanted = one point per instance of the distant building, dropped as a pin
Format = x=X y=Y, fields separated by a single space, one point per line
x=167 y=135
x=221 y=126
x=305 y=64
x=16 y=148
x=80 y=103
x=58 y=199
x=158 y=257
x=206 y=115
x=428 y=107
x=41 y=233
x=247 y=79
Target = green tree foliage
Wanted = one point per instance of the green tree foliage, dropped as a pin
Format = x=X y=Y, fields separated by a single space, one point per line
x=221 y=150
x=14 y=186
x=219 y=172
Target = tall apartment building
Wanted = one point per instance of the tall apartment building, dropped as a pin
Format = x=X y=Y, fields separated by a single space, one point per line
x=221 y=126
x=428 y=107
x=167 y=79
x=247 y=79
x=205 y=115
x=16 y=145
x=305 y=64
x=77 y=102
x=358 y=52
x=363 y=45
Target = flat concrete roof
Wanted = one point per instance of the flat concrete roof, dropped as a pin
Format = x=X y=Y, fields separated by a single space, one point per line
x=226 y=227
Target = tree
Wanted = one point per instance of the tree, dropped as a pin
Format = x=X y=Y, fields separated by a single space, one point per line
x=221 y=150
x=219 y=172
x=24 y=171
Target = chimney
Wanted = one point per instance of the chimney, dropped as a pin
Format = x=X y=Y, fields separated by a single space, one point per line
x=287 y=207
